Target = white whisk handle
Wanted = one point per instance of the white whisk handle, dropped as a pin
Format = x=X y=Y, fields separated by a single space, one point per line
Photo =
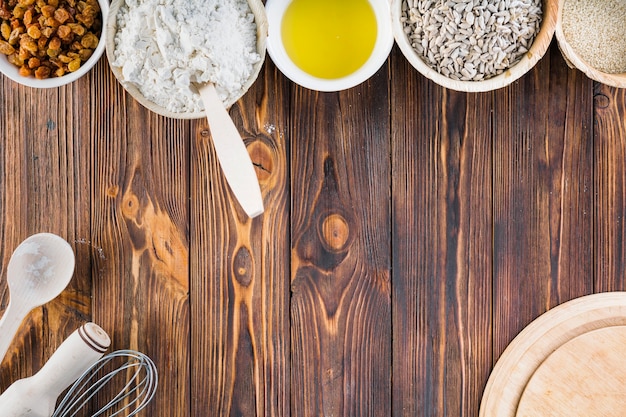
x=36 y=396
x=75 y=355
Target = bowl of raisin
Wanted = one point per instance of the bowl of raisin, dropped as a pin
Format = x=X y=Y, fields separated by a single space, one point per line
x=50 y=43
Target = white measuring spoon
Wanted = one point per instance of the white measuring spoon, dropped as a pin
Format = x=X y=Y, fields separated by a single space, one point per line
x=39 y=269
x=232 y=153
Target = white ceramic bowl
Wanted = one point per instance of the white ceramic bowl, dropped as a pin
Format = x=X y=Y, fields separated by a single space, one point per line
x=12 y=72
x=256 y=6
x=382 y=47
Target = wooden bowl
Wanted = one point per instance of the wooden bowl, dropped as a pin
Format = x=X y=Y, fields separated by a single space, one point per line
x=574 y=60
x=111 y=23
x=538 y=48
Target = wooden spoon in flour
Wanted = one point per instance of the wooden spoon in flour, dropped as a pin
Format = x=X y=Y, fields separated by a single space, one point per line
x=231 y=152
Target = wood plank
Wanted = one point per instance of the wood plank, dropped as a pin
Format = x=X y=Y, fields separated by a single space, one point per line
x=14 y=230
x=542 y=249
x=139 y=195
x=568 y=166
x=240 y=267
x=442 y=246
x=43 y=180
x=610 y=187
x=340 y=310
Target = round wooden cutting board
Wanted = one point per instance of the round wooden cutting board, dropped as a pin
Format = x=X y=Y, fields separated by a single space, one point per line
x=584 y=377
x=568 y=329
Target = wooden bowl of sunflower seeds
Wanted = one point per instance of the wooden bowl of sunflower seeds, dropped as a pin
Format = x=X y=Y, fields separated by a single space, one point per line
x=592 y=38
x=473 y=45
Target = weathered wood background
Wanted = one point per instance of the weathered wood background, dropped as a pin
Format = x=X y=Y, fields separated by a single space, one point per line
x=410 y=233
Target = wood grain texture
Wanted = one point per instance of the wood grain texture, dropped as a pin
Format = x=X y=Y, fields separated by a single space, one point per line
x=140 y=237
x=542 y=256
x=442 y=246
x=574 y=390
x=240 y=267
x=570 y=169
x=610 y=186
x=340 y=271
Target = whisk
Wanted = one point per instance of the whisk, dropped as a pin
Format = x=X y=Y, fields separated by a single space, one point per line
x=137 y=375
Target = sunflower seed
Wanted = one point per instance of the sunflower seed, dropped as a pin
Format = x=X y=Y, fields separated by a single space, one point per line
x=471 y=39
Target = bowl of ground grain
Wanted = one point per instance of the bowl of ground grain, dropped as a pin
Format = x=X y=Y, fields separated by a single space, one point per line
x=592 y=37
x=50 y=43
x=473 y=45
x=161 y=50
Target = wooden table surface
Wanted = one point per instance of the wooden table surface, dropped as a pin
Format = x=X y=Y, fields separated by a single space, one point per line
x=410 y=233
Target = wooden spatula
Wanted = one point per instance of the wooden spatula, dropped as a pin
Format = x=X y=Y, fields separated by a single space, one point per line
x=232 y=153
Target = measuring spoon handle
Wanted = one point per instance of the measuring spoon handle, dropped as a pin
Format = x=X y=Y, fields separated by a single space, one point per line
x=10 y=322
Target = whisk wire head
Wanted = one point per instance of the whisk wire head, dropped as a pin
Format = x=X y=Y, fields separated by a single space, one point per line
x=138 y=390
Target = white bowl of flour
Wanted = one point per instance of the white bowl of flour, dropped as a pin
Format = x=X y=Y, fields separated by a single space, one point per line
x=160 y=49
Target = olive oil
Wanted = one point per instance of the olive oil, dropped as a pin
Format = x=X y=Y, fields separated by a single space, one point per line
x=329 y=38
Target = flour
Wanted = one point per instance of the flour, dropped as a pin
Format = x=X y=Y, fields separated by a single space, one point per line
x=164 y=46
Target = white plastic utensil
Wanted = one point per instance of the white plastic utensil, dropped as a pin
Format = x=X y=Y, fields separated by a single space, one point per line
x=36 y=396
x=38 y=271
x=232 y=153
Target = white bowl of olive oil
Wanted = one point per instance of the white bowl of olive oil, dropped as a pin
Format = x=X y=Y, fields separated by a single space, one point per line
x=329 y=45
